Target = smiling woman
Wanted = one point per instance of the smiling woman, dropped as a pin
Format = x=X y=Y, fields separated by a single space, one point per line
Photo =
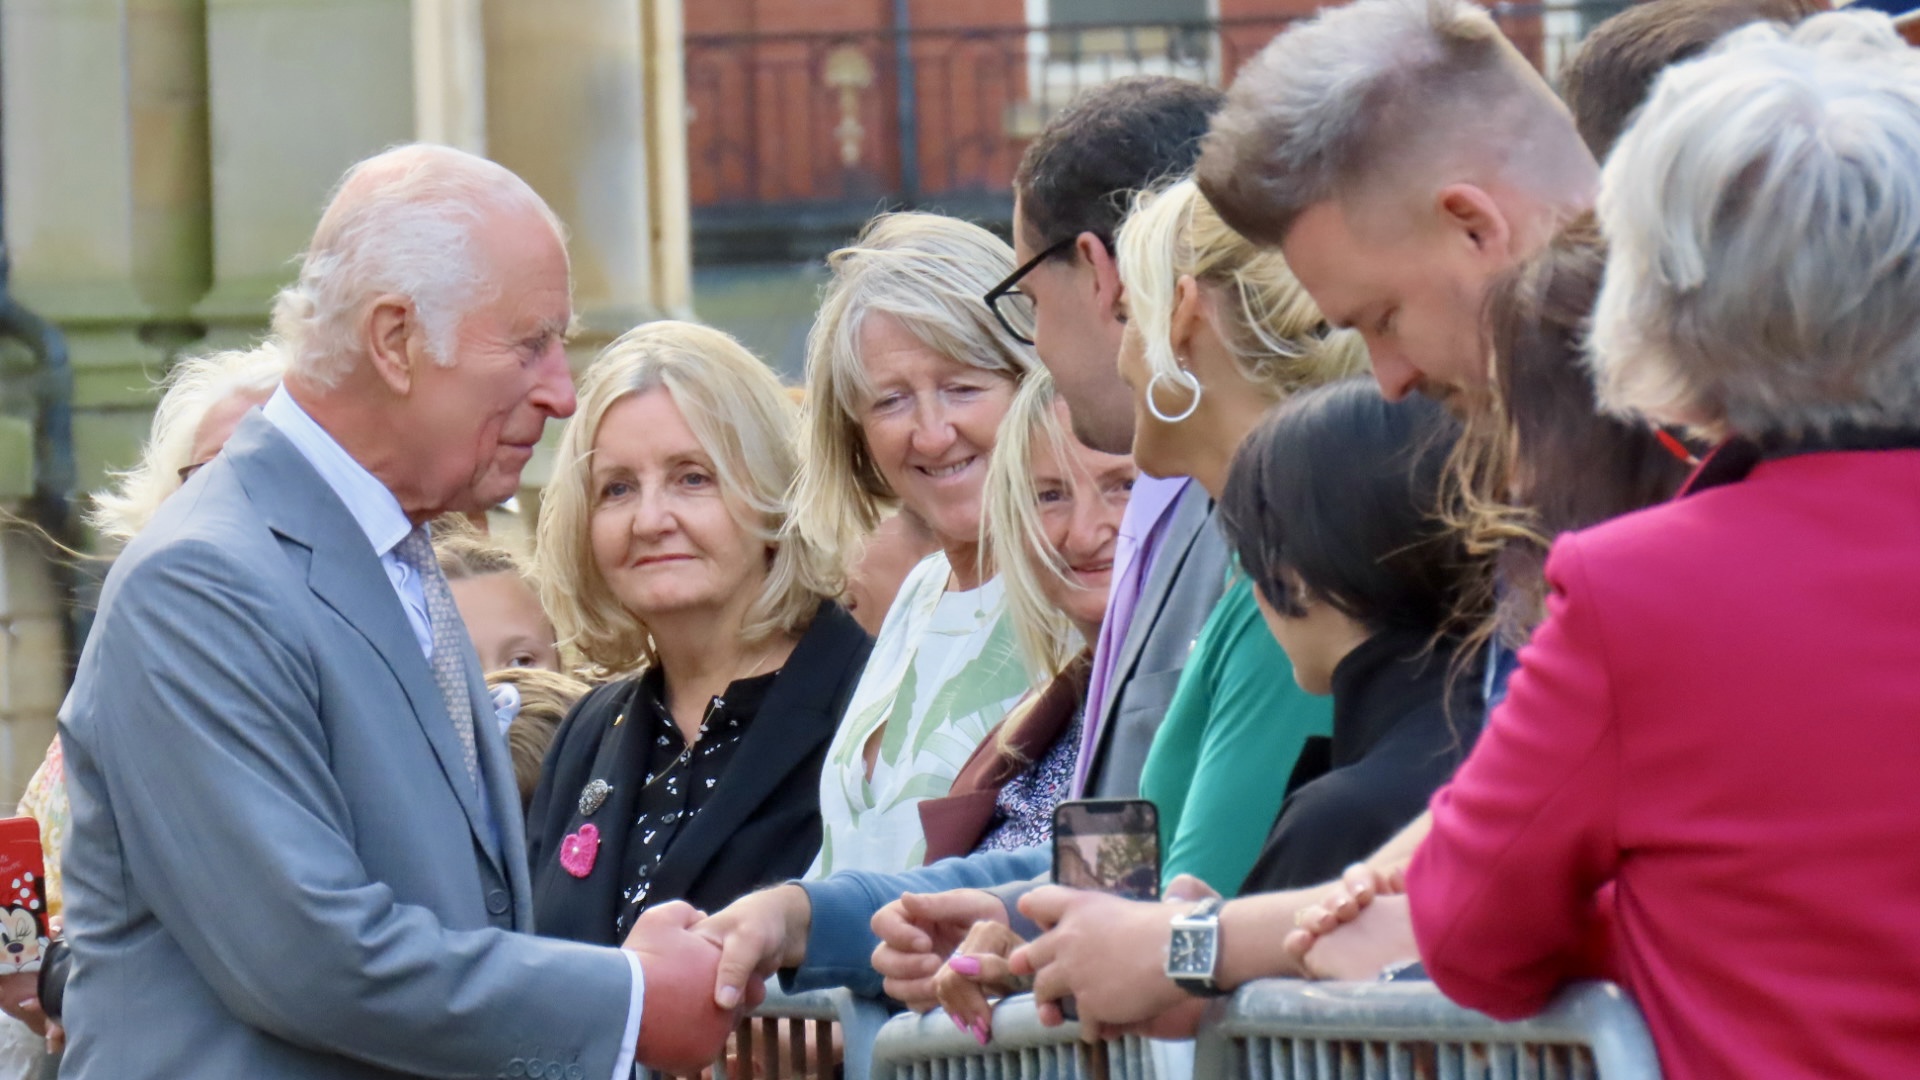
x=908 y=378
x=662 y=558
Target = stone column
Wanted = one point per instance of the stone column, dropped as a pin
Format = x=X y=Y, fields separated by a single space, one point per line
x=107 y=196
x=566 y=110
x=297 y=93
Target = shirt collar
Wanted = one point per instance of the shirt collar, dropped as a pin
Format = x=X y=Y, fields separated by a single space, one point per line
x=367 y=499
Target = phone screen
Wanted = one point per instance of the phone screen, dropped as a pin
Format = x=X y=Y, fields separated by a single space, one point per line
x=1108 y=845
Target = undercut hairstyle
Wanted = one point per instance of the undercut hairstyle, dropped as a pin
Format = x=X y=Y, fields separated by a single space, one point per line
x=1613 y=71
x=927 y=273
x=1079 y=174
x=1764 y=217
x=1381 y=91
x=402 y=222
x=192 y=389
x=1011 y=528
x=1279 y=339
x=748 y=428
x=1333 y=499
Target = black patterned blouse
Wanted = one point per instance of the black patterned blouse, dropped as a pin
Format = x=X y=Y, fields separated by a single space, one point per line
x=679 y=779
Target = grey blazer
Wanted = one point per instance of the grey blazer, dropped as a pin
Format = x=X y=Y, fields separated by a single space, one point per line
x=1185 y=582
x=278 y=867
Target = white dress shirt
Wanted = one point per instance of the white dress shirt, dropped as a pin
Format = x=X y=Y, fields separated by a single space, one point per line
x=386 y=524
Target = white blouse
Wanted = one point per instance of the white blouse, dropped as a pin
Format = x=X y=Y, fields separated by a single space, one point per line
x=945 y=669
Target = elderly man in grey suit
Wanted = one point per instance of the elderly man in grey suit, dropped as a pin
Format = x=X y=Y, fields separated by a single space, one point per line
x=295 y=852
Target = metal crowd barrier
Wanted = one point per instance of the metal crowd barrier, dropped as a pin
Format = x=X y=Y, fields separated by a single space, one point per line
x=819 y=1035
x=1285 y=1029
x=929 y=1047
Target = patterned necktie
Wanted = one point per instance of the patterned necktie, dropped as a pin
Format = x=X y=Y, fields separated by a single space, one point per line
x=449 y=642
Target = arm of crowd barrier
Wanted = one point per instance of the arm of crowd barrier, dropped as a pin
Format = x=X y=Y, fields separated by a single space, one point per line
x=1297 y=1028
x=776 y=1038
x=929 y=1047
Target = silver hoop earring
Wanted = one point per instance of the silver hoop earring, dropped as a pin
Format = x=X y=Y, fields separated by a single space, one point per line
x=1185 y=381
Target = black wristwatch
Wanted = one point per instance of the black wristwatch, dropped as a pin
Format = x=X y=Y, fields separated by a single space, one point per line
x=1193 y=952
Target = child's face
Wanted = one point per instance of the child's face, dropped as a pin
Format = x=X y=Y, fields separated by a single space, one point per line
x=508 y=626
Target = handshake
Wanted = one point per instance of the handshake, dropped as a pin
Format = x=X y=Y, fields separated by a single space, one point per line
x=682 y=1030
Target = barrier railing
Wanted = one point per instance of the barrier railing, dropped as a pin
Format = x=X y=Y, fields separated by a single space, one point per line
x=820 y=1035
x=1285 y=1029
x=929 y=1047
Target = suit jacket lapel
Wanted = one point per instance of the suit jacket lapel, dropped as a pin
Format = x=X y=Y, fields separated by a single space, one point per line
x=347 y=576
x=1191 y=514
x=794 y=721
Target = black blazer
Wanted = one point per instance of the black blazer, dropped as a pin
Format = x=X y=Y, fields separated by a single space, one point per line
x=761 y=826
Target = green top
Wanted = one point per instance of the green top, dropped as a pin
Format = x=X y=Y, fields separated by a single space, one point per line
x=1219 y=765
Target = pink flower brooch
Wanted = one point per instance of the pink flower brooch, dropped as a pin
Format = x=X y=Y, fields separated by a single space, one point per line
x=579 y=849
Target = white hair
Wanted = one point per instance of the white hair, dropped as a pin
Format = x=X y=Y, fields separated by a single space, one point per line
x=1341 y=101
x=1764 y=219
x=404 y=222
x=192 y=389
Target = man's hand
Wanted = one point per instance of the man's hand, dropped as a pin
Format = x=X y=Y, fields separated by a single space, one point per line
x=1379 y=935
x=758 y=934
x=918 y=931
x=681 y=1031
x=1108 y=954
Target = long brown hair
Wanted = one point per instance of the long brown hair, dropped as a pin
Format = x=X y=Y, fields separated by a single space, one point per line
x=1538 y=458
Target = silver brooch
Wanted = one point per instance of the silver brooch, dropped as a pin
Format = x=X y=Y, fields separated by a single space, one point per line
x=594 y=795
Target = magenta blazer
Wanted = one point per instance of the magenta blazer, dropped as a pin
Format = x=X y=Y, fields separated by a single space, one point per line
x=1721 y=719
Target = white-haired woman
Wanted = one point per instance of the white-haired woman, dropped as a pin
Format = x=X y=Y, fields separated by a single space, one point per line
x=663 y=557
x=202 y=401
x=908 y=378
x=1711 y=738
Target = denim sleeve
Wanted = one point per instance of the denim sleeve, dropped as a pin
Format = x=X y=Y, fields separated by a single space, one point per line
x=841 y=941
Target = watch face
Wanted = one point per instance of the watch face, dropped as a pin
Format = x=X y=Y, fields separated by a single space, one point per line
x=1190 y=952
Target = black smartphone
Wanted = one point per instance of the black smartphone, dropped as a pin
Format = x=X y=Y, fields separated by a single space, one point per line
x=1108 y=845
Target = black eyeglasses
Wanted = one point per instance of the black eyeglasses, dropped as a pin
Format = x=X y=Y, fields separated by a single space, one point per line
x=1014 y=308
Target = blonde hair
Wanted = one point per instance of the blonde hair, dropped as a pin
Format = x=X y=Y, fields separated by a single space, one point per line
x=464 y=552
x=1278 y=337
x=930 y=274
x=1011 y=525
x=545 y=699
x=193 y=388
x=742 y=418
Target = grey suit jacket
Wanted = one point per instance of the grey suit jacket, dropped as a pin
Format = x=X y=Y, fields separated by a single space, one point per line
x=1188 y=575
x=278 y=866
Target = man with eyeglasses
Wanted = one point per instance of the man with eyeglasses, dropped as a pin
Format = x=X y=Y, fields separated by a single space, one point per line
x=1073 y=187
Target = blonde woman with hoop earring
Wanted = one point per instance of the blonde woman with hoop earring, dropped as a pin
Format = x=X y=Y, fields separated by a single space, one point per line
x=1219 y=332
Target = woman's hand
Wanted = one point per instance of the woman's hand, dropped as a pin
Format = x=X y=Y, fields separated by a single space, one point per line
x=919 y=931
x=1359 y=885
x=1362 y=948
x=975 y=972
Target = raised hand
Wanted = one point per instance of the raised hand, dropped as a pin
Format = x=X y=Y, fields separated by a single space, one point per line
x=919 y=931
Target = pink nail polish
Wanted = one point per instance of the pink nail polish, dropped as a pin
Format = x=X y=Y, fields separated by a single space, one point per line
x=980 y=1032
x=965 y=965
x=957 y=1022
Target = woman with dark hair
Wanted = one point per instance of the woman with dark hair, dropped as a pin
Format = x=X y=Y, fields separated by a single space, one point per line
x=1329 y=507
